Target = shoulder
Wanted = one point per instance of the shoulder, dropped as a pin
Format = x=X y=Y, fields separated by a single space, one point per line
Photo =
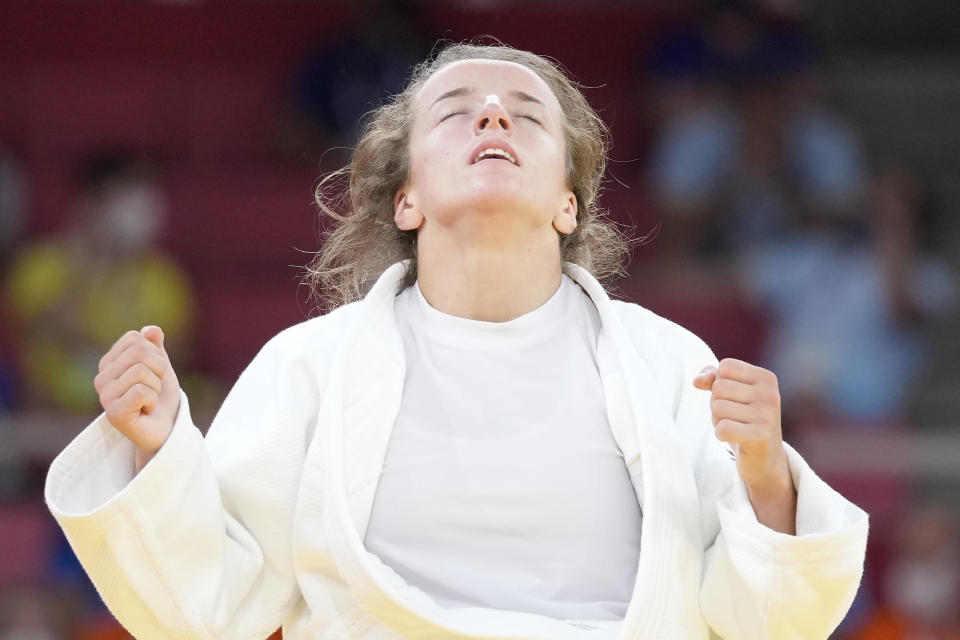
x=673 y=353
x=311 y=345
x=651 y=334
x=319 y=332
x=646 y=329
x=308 y=346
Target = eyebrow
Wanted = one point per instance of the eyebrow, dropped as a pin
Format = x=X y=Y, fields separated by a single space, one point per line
x=465 y=91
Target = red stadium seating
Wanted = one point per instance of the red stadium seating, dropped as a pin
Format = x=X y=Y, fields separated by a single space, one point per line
x=71 y=110
x=225 y=221
x=27 y=528
x=230 y=113
x=199 y=87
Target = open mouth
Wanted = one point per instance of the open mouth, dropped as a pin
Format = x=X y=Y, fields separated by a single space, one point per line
x=495 y=153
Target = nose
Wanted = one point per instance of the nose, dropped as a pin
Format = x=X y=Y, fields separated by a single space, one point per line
x=492 y=116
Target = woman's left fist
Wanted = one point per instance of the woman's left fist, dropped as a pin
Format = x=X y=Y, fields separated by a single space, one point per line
x=745 y=406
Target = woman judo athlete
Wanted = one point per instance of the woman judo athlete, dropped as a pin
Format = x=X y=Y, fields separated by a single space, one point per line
x=477 y=442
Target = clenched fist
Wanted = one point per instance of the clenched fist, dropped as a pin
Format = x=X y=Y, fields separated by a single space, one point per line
x=745 y=408
x=139 y=390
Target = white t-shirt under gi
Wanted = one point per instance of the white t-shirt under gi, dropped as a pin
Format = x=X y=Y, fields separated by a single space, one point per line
x=503 y=486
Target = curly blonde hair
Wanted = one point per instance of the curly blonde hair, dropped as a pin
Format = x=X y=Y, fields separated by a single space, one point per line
x=364 y=240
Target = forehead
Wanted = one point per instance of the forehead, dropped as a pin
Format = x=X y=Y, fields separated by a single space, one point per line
x=485 y=77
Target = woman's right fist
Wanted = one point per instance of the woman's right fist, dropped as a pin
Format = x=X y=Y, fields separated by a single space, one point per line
x=139 y=390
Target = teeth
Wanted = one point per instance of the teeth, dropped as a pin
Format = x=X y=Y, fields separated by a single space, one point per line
x=496 y=152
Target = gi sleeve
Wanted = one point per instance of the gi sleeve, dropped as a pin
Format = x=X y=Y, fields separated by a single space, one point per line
x=759 y=583
x=197 y=545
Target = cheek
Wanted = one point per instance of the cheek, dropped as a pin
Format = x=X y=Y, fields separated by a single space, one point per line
x=565 y=162
x=556 y=170
x=552 y=150
x=433 y=161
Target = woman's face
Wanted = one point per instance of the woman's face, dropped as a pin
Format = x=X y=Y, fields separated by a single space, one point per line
x=487 y=142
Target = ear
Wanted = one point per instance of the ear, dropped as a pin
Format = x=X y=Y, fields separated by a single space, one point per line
x=565 y=221
x=405 y=214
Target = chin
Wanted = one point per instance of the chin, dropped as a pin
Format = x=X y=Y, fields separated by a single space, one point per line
x=499 y=196
x=490 y=210
x=500 y=203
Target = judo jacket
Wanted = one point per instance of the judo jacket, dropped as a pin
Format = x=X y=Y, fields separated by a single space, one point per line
x=261 y=523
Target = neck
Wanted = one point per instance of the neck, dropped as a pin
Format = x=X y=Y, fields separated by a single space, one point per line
x=493 y=282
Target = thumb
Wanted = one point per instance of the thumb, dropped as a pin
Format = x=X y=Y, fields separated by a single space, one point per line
x=704 y=379
x=154 y=334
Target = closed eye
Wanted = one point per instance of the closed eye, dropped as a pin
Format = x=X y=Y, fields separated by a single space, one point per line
x=528 y=117
x=452 y=113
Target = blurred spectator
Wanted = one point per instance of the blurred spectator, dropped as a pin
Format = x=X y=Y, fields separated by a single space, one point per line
x=74 y=294
x=12 y=204
x=751 y=168
x=33 y=612
x=70 y=297
x=851 y=311
x=12 y=223
x=343 y=78
x=694 y=131
x=746 y=144
x=922 y=585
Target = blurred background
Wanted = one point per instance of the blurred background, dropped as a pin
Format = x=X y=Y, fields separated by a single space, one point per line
x=789 y=168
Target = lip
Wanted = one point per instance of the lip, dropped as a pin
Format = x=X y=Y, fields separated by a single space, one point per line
x=494 y=143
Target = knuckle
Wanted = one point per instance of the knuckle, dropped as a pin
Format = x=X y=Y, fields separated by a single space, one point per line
x=107 y=391
x=132 y=398
x=757 y=416
x=140 y=392
x=116 y=416
x=771 y=396
x=722 y=387
x=723 y=428
x=125 y=339
x=720 y=405
x=139 y=350
x=765 y=376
